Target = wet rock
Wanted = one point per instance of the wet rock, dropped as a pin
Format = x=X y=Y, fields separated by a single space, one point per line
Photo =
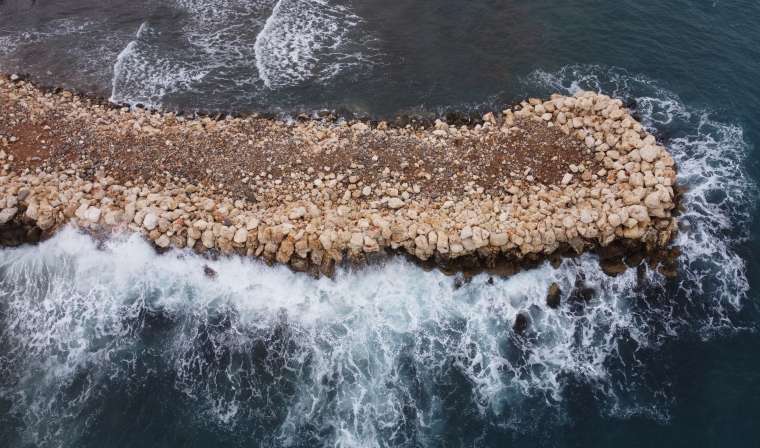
x=553 y=296
x=208 y=272
x=668 y=269
x=521 y=323
x=7 y=214
x=613 y=266
x=460 y=280
x=581 y=293
x=634 y=259
x=612 y=251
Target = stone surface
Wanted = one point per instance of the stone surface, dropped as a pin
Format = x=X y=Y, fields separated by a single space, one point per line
x=150 y=221
x=395 y=203
x=623 y=189
x=7 y=214
x=553 y=296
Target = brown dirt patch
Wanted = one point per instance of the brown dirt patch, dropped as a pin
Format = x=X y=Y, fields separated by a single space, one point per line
x=252 y=154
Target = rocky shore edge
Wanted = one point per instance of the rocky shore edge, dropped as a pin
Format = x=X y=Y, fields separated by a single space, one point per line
x=619 y=201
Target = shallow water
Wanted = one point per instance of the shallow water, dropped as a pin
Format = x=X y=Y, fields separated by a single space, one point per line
x=112 y=345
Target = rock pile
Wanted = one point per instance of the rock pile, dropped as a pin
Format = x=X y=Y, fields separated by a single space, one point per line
x=619 y=186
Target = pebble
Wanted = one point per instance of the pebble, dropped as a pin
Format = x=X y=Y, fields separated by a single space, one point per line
x=297 y=213
x=395 y=203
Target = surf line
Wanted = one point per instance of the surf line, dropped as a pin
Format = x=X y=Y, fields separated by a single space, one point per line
x=261 y=40
x=119 y=66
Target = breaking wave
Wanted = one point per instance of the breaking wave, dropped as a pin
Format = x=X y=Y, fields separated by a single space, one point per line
x=141 y=77
x=210 y=43
x=309 y=40
x=385 y=356
x=241 y=46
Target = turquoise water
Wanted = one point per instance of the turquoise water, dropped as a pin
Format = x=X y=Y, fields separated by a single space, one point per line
x=112 y=345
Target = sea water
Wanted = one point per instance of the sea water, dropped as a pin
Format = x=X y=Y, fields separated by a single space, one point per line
x=109 y=344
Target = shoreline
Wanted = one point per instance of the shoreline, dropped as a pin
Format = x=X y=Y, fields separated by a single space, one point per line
x=413 y=116
x=568 y=173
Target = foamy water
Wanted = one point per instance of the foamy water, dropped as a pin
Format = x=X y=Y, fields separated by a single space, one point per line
x=309 y=40
x=214 y=37
x=250 y=46
x=386 y=356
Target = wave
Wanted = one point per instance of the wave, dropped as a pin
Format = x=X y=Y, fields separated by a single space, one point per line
x=211 y=41
x=142 y=77
x=364 y=358
x=243 y=45
x=309 y=40
x=386 y=356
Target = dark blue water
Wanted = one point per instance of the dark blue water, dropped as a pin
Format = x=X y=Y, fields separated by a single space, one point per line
x=119 y=347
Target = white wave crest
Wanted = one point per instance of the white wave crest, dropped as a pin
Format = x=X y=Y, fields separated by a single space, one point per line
x=213 y=42
x=140 y=76
x=378 y=355
x=308 y=40
x=240 y=44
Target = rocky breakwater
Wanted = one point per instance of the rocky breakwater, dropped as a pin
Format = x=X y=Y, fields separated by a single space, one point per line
x=574 y=173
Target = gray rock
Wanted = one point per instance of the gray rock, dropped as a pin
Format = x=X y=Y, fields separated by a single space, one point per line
x=7 y=214
x=150 y=221
x=395 y=203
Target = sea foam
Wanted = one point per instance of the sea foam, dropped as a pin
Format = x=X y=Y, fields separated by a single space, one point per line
x=309 y=40
x=250 y=46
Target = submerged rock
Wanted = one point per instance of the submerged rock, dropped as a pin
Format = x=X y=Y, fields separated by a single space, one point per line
x=521 y=323
x=613 y=266
x=553 y=296
x=208 y=272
